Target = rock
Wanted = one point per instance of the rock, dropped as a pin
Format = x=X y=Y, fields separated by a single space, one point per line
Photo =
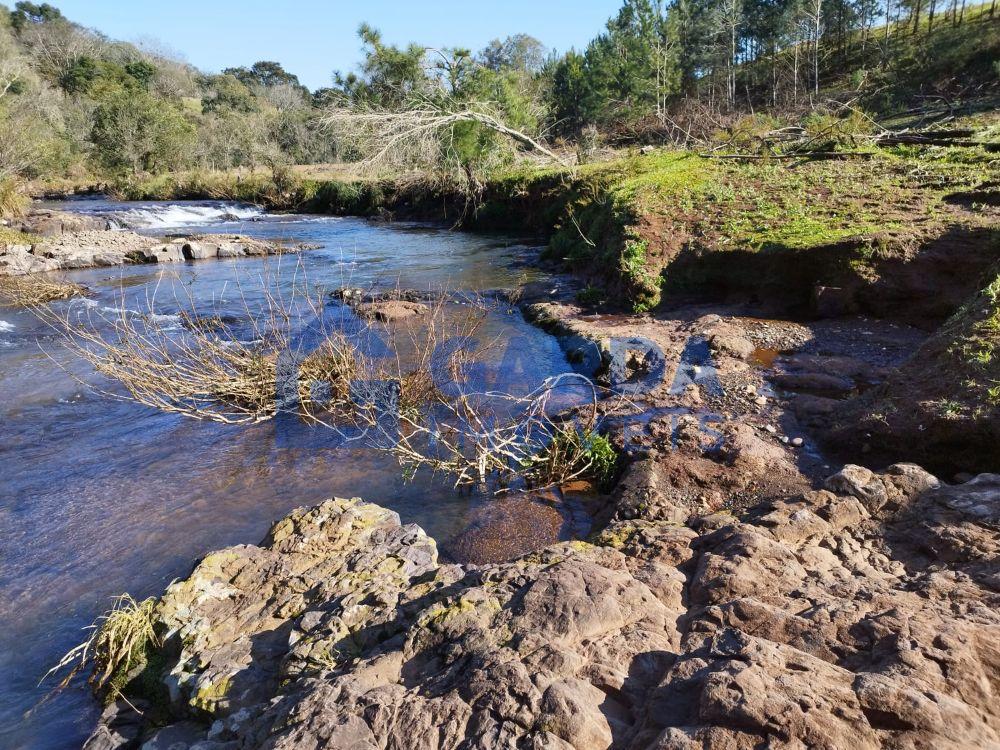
x=728 y=340
x=860 y=483
x=863 y=615
x=797 y=442
x=833 y=302
x=119 y=727
x=48 y=223
x=844 y=367
x=181 y=736
x=200 y=250
x=18 y=260
x=391 y=310
x=170 y=253
x=231 y=250
x=813 y=409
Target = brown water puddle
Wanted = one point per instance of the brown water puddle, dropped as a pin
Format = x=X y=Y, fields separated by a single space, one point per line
x=764 y=357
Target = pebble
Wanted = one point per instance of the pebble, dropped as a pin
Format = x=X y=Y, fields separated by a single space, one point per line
x=771 y=428
x=760 y=400
x=797 y=442
x=784 y=439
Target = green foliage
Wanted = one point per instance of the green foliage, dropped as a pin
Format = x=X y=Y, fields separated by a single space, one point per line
x=627 y=72
x=79 y=76
x=263 y=73
x=134 y=132
x=227 y=92
x=389 y=75
x=520 y=52
x=142 y=71
x=572 y=453
x=591 y=295
x=25 y=13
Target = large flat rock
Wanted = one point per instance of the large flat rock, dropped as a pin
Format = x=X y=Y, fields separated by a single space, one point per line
x=864 y=615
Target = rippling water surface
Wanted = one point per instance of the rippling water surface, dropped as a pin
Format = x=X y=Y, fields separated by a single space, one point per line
x=99 y=496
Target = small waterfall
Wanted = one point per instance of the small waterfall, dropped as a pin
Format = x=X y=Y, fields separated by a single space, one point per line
x=184 y=215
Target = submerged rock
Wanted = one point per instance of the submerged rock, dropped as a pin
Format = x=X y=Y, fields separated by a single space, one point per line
x=392 y=310
x=864 y=615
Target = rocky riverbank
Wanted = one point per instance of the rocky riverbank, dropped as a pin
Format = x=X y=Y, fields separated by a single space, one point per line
x=863 y=614
x=60 y=241
x=738 y=591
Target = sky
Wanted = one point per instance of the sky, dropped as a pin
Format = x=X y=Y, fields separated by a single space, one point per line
x=312 y=38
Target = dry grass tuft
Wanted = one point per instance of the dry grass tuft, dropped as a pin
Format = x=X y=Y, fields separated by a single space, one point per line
x=116 y=646
x=31 y=290
x=13 y=201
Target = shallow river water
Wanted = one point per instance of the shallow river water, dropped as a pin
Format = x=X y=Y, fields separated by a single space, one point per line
x=99 y=496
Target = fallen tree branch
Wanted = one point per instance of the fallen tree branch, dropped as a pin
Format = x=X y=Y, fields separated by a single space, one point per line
x=805 y=155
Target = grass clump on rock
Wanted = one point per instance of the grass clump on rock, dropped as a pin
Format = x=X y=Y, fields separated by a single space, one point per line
x=575 y=453
x=117 y=646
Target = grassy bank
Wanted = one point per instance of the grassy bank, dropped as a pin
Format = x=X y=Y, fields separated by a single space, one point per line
x=644 y=229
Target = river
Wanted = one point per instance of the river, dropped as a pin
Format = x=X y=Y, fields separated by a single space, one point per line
x=100 y=496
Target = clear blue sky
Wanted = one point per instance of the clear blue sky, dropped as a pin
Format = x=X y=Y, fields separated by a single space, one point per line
x=312 y=38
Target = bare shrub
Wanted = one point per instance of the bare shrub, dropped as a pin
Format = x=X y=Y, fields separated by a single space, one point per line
x=416 y=396
x=419 y=134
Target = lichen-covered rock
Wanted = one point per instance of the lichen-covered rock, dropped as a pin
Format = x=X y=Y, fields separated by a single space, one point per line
x=232 y=618
x=863 y=615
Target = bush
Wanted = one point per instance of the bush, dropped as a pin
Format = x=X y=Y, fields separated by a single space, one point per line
x=575 y=453
x=13 y=202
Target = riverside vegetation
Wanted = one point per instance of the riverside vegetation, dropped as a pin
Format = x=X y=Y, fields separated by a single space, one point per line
x=792 y=209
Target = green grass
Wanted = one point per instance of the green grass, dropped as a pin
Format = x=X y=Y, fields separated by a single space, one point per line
x=10 y=236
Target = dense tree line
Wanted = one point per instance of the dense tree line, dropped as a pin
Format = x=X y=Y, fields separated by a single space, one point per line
x=731 y=53
x=73 y=102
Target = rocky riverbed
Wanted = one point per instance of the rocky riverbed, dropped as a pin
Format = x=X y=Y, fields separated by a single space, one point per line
x=65 y=241
x=739 y=589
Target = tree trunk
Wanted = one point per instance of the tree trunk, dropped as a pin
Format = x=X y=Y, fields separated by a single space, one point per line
x=916 y=16
x=816 y=52
x=795 y=74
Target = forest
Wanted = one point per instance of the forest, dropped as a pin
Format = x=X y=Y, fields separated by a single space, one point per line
x=75 y=105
